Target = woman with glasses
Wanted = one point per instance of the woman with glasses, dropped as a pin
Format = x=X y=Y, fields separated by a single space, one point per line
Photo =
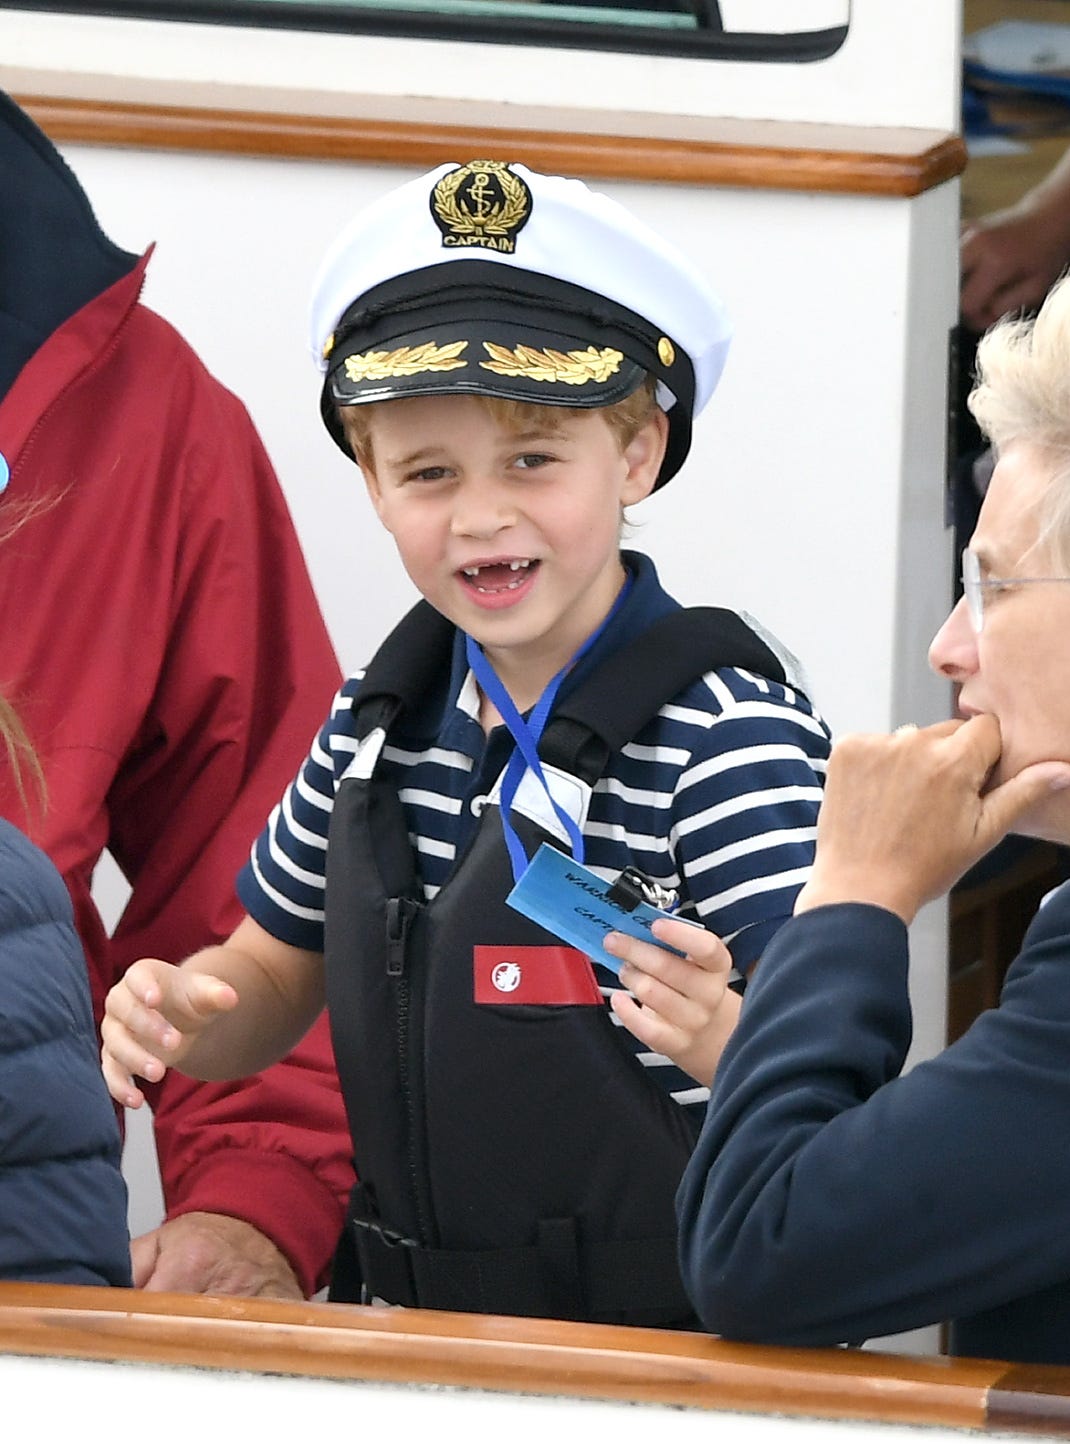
x=832 y=1198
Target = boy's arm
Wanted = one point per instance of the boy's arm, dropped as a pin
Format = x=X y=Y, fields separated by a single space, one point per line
x=226 y=1012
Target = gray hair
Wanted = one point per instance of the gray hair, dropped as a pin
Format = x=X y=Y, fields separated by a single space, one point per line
x=1022 y=393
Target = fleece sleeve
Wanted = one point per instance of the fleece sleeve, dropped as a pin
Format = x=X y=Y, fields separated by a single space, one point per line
x=831 y=1198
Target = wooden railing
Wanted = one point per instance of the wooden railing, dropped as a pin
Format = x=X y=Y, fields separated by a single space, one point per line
x=527 y=1356
x=680 y=150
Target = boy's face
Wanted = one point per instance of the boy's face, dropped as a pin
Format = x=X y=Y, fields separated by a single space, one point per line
x=514 y=536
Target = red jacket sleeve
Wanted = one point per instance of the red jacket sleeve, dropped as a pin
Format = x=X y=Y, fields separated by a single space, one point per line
x=247 y=675
x=172 y=667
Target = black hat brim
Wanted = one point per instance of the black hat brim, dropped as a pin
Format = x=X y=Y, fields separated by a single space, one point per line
x=484 y=329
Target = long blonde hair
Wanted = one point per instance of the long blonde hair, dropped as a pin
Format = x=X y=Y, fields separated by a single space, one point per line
x=21 y=756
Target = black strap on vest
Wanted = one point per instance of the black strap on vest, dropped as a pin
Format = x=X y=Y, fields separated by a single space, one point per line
x=604 y=712
x=411 y=664
x=553 y=1278
x=616 y=701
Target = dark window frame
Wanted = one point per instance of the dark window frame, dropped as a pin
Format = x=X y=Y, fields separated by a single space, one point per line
x=707 y=41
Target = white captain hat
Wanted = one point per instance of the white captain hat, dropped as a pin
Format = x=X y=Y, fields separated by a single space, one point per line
x=493 y=279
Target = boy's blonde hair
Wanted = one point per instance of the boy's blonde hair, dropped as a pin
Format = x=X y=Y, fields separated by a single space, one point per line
x=624 y=418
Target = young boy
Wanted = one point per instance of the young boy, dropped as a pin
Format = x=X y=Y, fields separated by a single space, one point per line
x=511 y=360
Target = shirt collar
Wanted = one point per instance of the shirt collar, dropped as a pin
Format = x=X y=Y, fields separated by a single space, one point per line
x=449 y=718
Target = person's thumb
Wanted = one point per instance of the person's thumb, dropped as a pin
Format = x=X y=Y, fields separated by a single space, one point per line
x=1003 y=806
x=205 y=996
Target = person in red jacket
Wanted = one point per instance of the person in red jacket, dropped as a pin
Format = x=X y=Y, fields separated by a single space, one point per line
x=167 y=656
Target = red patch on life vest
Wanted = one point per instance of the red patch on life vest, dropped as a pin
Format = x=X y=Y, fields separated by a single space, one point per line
x=549 y=975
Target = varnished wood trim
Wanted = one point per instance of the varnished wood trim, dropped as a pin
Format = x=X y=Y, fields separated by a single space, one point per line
x=763 y=155
x=532 y=1356
x=1031 y=1399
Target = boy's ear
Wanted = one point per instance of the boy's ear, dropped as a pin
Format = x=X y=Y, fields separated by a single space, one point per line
x=644 y=455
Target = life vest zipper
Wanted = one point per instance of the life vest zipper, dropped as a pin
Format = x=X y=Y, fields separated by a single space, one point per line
x=401 y=913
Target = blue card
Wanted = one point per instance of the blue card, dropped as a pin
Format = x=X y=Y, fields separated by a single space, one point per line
x=574 y=903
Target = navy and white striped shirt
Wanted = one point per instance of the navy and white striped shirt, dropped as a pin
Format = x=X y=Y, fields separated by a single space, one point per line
x=716 y=797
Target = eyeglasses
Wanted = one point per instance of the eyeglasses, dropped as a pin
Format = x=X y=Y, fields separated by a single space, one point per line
x=974 y=586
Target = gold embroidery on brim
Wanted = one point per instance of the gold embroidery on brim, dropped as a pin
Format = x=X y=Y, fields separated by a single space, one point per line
x=405 y=361
x=574 y=368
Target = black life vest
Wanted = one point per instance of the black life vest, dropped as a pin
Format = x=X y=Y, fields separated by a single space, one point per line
x=512 y=1158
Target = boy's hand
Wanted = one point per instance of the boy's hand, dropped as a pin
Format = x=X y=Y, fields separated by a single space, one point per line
x=152 y=1017
x=687 y=1011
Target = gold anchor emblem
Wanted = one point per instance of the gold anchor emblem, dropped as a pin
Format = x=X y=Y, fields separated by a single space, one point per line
x=482 y=204
x=479 y=195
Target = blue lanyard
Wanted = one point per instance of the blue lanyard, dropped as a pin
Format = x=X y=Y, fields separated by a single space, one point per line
x=526 y=736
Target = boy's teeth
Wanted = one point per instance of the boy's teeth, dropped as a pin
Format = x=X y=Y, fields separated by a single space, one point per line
x=513 y=567
x=494 y=574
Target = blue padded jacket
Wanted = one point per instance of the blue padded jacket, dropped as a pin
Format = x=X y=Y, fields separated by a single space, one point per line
x=62 y=1196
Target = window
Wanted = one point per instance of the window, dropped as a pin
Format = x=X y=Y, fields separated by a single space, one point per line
x=763 y=30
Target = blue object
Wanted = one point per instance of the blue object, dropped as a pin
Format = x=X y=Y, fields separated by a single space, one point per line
x=64 y=1200
x=977 y=120
x=980 y=83
x=574 y=904
x=5 y=472
x=526 y=734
